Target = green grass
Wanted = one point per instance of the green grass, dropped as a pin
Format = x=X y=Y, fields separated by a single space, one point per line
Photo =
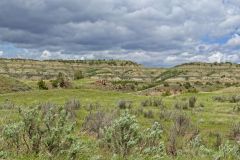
x=214 y=117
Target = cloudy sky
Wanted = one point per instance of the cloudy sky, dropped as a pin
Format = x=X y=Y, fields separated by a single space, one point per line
x=151 y=32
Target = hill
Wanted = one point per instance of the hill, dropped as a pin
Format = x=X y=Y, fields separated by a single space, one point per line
x=209 y=72
x=127 y=75
x=8 y=84
x=49 y=69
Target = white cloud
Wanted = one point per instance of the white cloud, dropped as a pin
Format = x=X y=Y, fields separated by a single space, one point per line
x=216 y=57
x=185 y=54
x=234 y=41
x=171 y=58
x=152 y=32
x=1 y=53
x=220 y=57
x=46 y=55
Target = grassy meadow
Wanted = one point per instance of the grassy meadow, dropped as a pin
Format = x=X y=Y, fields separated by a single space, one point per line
x=163 y=119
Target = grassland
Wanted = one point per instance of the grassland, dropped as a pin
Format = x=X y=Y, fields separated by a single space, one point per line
x=209 y=118
x=215 y=117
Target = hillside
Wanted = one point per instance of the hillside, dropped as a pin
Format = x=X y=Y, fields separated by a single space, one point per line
x=127 y=75
x=107 y=69
x=209 y=72
x=8 y=84
x=194 y=77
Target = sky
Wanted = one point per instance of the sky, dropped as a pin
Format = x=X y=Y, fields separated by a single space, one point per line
x=150 y=32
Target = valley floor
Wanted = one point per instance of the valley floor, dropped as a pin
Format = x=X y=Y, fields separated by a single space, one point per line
x=212 y=117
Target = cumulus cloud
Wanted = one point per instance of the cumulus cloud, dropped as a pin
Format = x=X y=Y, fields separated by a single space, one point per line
x=216 y=57
x=220 y=57
x=152 y=32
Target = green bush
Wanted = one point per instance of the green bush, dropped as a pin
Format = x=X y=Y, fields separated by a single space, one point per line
x=192 y=101
x=42 y=131
x=78 y=75
x=166 y=93
x=148 y=114
x=236 y=108
x=154 y=102
x=151 y=143
x=61 y=81
x=54 y=83
x=42 y=85
x=123 y=104
x=123 y=135
x=124 y=138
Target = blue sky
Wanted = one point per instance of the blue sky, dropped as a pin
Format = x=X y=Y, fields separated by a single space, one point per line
x=150 y=32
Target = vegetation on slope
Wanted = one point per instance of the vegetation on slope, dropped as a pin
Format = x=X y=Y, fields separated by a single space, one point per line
x=8 y=84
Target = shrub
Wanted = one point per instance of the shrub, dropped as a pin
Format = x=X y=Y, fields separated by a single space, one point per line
x=209 y=83
x=42 y=85
x=151 y=143
x=196 y=148
x=78 y=75
x=219 y=98
x=140 y=111
x=231 y=99
x=166 y=93
x=198 y=83
x=234 y=99
x=12 y=133
x=122 y=104
x=95 y=122
x=235 y=131
x=145 y=103
x=155 y=102
x=93 y=106
x=172 y=143
x=71 y=106
x=181 y=124
x=201 y=105
x=61 y=81
x=7 y=105
x=165 y=84
x=181 y=105
x=228 y=151
x=192 y=101
x=218 y=141
x=123 y=135
x=148 y=114
x=165 y=115
x=236 y=108
x=227 y=84
x=54 y=83
x=40 y=131
x=192 y=90
x=187 y=85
